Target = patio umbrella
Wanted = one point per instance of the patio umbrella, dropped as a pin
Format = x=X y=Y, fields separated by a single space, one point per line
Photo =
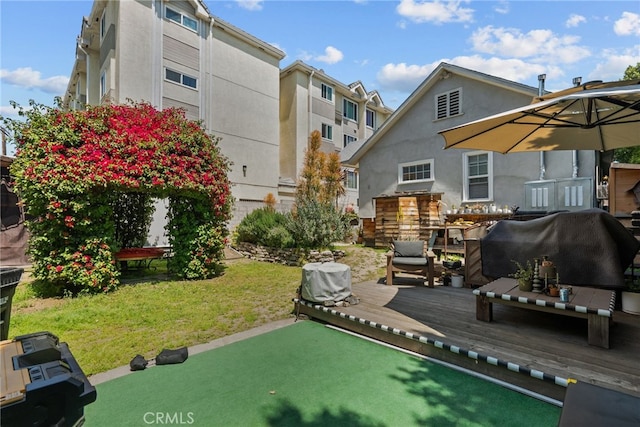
x=602 y=117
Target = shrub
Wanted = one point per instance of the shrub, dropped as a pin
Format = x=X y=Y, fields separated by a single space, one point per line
x=266 y=227
x=315 y=224
x=279 y=237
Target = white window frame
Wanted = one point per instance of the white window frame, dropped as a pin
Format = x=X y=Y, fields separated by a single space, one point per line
x=402 y=166
x=326 y=92
x=103 y=83
x=348 y=139
x=183 y=17
x=327 y=132
x=182 y=77
x=347 y=180
x=370 y=123
x=465 y=176
x=346 y=102
x=449 y=111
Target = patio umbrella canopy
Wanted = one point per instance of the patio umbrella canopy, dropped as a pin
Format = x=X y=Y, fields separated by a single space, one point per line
x=600 y=116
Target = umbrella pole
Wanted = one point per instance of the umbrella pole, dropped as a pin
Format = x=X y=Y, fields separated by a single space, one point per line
x=543 y=168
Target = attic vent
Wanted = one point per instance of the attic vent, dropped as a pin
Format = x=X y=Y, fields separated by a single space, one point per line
x=448 y=104
x=454 y=103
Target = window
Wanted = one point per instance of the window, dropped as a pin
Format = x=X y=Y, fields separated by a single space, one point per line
x=350 y=110
x=103 y=83
x=348 y=139
x=478 y=176
x=327 y=131
x=371 y=119
x=103 y=24
x=181 y=19
x=449 y=104
x=419 y=171
x=351 y=179
x=327 y=92
x=180 y=78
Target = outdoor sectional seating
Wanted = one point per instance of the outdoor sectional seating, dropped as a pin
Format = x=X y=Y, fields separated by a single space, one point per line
x=412 y=258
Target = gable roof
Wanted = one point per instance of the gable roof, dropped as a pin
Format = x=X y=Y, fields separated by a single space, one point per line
x=355 y=89
x=443 y=70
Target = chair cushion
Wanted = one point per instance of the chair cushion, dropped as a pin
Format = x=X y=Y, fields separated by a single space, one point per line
x=403 y=248
x=406 y=260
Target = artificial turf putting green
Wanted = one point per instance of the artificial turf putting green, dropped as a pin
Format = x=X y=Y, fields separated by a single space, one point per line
x=309 y=375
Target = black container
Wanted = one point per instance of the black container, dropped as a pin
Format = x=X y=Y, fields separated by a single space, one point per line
x=9 y=279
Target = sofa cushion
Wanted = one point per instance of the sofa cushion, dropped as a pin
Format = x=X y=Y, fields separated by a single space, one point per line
x=409 y=260
x=403 y=248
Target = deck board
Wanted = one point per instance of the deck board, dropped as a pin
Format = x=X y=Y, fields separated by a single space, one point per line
x=550 y=343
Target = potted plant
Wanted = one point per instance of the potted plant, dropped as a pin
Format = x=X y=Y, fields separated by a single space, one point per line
x=524 y=275
x=631 y=297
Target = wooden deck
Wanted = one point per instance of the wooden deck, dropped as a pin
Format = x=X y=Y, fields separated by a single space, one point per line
x=538 y=351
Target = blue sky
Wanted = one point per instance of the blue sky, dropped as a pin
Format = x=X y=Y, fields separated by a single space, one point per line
x=390 y=46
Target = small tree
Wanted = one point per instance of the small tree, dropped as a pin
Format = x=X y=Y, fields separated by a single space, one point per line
x=333 y=178
x=315 y=221
x=310 y=183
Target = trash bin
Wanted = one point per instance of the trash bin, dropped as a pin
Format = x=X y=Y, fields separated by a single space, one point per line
x=9 y=279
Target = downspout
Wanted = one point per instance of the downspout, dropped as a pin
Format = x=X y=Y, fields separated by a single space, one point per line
x=574 y=161
x=210 y=44
x=541 y=78
x=310 y=102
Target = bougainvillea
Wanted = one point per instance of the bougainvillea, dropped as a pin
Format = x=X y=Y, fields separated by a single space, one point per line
x=71 y=165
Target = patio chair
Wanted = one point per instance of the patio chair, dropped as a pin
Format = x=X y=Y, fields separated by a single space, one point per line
x=410 y=257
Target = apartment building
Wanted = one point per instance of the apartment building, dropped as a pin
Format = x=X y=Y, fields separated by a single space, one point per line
x=346 y=115
x=177 y=54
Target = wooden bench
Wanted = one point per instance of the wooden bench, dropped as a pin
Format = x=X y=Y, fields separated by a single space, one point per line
x=141 y=257
x=595 y=305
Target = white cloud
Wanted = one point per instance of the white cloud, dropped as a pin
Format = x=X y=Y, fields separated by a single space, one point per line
x=628 y=24
x=614 y=64
x=331 y=56
x=9 y=111
x=30 y=79
x=402 y=77
x=250 y=4
x=575 y=20
x=538 y=45
x=406 y=78
x=437 y=12
x=502 y=7
x=511 y=69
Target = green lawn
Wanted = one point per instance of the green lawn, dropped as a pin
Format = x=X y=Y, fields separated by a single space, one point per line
x=151 y=312
x=107 y=331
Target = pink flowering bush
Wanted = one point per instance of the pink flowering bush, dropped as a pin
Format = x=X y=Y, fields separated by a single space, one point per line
x=71 y=165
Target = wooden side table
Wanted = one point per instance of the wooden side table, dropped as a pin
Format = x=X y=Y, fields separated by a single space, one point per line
x=595 y=305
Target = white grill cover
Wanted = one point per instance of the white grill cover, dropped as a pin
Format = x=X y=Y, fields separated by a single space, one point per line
x=325 y=281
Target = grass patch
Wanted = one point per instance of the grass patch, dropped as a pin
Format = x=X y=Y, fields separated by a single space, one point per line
x=153 y=312
x=107 y=331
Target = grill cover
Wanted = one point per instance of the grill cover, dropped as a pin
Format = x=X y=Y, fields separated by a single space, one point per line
x=589 y=247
